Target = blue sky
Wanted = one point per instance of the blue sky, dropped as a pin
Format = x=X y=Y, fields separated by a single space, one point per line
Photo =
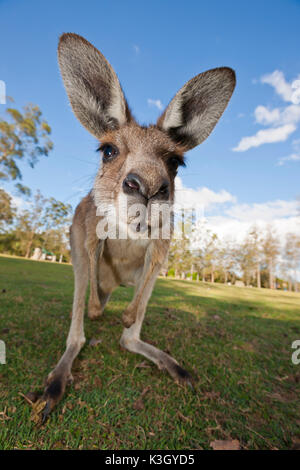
x=155 y=47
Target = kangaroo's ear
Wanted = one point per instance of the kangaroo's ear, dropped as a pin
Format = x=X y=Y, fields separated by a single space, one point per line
x=92 y=86
x=196 y=108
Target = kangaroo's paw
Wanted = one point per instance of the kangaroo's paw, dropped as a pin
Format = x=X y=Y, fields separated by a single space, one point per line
x=55 y=388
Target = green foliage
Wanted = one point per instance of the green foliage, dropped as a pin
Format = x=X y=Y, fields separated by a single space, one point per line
x=180 y=256
x=44 y=215
x=44 y=223
x=7 y=210
x=24 y=190
x=56 y=213
x=24 y=136
x=9 y=243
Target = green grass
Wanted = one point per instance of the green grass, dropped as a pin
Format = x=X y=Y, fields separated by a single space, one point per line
x=236 y=341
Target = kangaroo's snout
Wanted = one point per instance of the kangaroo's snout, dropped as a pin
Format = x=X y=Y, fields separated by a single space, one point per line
x=135 y=184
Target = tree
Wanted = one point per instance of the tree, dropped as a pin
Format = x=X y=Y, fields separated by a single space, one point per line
x=56 y=213
x=258 y=257
x=249 y=256
x=270 y=247
x=56 y=218
x=211 y=255
x=180 y=256
x=57 y=242
x=23 y=136
x=7 y=210
x=256 y=252
x=227 y=257
x=42 y=216
x=206 y=248
x=292 y=257
x=30 y=221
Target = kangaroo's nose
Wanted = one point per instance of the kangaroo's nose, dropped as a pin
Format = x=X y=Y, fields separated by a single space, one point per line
x=134 y=183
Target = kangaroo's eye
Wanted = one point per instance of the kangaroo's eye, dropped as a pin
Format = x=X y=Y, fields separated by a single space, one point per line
x=164 y=189
x=174 y=162
x=108 y=151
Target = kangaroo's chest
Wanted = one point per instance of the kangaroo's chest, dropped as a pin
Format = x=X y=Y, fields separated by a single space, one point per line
x=122 y=262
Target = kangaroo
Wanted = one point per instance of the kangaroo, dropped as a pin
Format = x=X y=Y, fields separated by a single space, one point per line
x=139 y=165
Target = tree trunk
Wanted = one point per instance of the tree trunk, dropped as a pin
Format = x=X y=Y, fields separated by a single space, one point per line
x=271 y=275
x=258 y=276
x=295 y=281
x=29 y=245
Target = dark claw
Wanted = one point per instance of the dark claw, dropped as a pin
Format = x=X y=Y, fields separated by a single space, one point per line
x=191 y=386
x=184 y=377
x=53 y=393
x=46 y=412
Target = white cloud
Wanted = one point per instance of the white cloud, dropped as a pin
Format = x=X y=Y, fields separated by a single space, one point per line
x=294 y=157
x=282 y=122
x=282 y=215
x=265 y=116
x=289 y=115
x=266 y=212
x=288 y=91
x=230 y=213
x=230 y=228
x=267 y=136
x=18 y=202
x=296 y=92
x=200 y=199
x=230 y=219
x=136 y=49
x=2 y=92
x=277 y=80
x=156 y=103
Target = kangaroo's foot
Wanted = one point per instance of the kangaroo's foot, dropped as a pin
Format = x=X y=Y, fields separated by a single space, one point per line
x=56 y=384
x=163 y=360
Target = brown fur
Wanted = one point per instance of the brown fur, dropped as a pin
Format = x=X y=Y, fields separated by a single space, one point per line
x=148 y=155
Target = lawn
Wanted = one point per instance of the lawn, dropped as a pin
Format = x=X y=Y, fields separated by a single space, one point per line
x=235 y=341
